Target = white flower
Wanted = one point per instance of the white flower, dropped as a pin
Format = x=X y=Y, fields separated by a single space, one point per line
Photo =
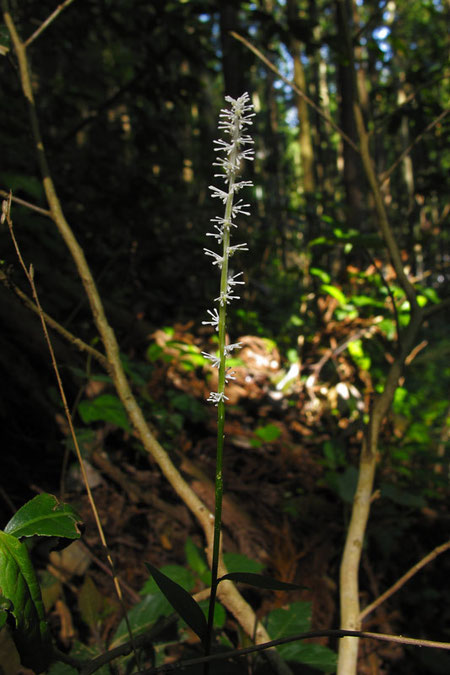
x=218 y=260
x=220 y=194
x=213 y=358
x=232 y=281
x=229 y=348
x=214 y=314
x=228 y=375
x=217 y=397
x=226 y=297
x=238 y=208
x=238 y=247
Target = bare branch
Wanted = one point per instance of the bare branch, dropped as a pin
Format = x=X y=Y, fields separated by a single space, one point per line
x=29 y=205
x=406 y=577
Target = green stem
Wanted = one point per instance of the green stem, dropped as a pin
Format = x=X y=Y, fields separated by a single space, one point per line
x=220 y=413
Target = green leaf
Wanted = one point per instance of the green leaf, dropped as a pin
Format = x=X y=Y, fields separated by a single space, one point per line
x=19 y=585
x=357 y=353
x=46 y=516
x=180 y=575
x=93 y=606
x=323 y=276
x=344 y=483
x=142 y=617
x=401 y=497
x=259 y=581
x=154 y=352
x=18 y=182
x=237 y=562
x=181 y=601
x=268 y=433
x=104 y=408
x=296 y=618
x=316 y=656
x=196 y=561
x=335 y=293
x=220 y=615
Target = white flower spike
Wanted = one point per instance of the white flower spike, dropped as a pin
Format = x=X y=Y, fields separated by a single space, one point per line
x=233 y=121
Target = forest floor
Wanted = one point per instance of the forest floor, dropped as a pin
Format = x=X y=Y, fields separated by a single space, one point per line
x=286 y=505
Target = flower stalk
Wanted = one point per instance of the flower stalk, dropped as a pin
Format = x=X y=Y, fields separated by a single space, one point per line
x=234 y=149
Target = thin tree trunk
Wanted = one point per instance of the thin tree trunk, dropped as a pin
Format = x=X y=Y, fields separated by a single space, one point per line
x=351 y=160
x=305 y=140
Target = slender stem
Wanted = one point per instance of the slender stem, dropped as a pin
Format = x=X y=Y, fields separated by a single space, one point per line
x=221 y=403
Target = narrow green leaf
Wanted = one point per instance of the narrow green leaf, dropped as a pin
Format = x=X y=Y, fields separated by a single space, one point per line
x=46 y=516
x=181 y=601
x=259 y=581
x=323 y=276
x=19 y=585
x=179 y=575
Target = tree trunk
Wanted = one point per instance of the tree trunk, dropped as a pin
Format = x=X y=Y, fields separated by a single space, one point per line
x=352 y=169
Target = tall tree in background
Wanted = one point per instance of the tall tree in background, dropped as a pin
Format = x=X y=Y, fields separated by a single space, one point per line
x=298 y=26
x=346 y=86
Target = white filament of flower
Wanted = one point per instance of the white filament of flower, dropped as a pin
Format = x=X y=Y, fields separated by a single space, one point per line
x=233 y=151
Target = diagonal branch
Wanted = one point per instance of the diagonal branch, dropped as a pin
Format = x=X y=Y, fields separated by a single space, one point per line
x=385 y=175
x=294 y=87
x=67 y=335
x=29 y=205
x=406 y=577
x=45 y=24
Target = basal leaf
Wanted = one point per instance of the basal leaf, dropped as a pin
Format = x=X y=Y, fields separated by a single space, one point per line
x=19 y=585
x=181 y=601
x=46 y=516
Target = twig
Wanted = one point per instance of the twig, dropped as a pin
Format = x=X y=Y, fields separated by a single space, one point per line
x=29 y=205
x=45 y=24
x=294 y=87
x=406 y=577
